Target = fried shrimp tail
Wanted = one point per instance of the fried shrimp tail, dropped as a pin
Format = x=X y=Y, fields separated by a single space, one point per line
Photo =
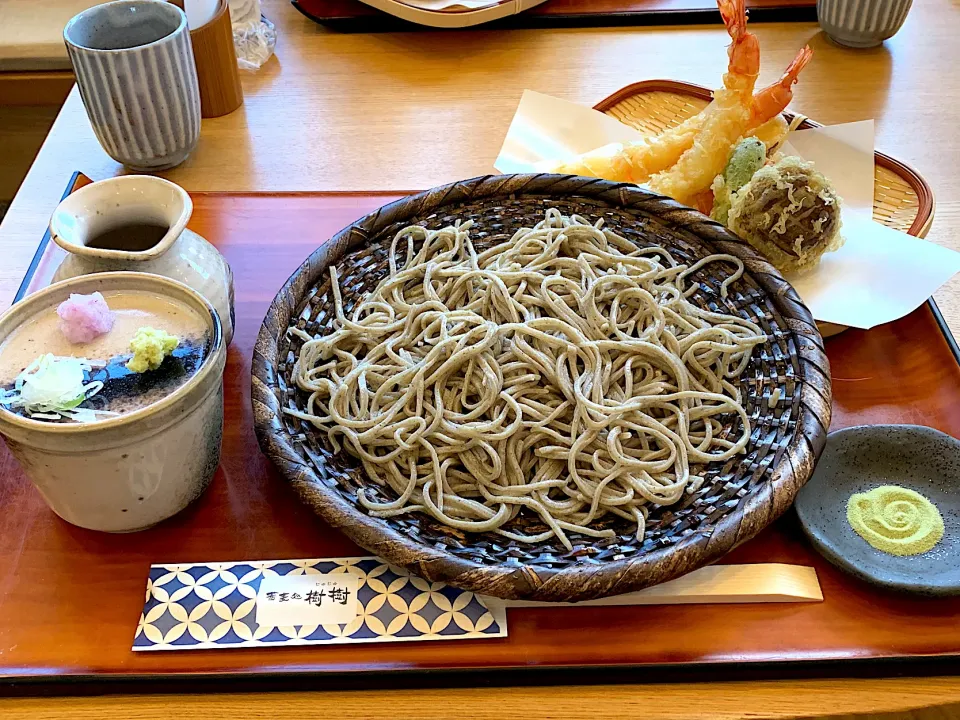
x=744 y=51
x=638 y=161
x=773 y=100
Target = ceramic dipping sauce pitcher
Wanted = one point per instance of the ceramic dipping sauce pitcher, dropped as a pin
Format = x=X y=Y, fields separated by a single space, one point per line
x=138 y=223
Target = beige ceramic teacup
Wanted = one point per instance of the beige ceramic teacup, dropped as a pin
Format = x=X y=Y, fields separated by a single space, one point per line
x=135 y=69
x=124 y=473
x=862 y=23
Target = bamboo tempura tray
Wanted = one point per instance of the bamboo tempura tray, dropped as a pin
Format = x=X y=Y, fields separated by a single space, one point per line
x=902 y=199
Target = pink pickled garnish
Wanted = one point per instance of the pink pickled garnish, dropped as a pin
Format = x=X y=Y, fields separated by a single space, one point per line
x=85 y=317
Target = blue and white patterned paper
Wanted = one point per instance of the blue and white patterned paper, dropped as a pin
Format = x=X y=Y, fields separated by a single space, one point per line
x=213 y=605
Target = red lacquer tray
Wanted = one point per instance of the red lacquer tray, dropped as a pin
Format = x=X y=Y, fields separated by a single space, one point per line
x=70 y=598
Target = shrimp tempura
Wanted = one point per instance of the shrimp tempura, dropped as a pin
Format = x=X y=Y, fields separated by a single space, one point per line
x=699 y=165
x=637 y=161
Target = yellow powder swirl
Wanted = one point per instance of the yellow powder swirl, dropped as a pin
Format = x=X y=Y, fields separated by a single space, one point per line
x=895 y=520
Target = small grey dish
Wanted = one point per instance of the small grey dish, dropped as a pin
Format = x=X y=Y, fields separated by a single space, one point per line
x=859 y=459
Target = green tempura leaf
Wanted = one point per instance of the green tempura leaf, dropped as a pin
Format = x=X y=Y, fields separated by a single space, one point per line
x=746 y=158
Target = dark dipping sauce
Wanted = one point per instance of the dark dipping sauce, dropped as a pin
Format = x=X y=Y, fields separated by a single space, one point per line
x=125 y=391
x=135 y=237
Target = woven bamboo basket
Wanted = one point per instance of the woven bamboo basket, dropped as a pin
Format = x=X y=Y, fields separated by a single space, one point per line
x=737 y=499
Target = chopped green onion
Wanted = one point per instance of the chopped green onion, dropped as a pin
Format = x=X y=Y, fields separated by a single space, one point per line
x=51 y=388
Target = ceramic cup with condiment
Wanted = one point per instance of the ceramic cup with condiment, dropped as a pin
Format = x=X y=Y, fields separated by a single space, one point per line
x=134 y=65
x=158 y=450
x=139 y=223
x=862 y=23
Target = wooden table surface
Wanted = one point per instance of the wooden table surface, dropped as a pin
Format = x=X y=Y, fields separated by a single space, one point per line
x=408 y=111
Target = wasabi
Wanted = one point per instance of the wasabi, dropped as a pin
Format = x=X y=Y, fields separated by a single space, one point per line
x=895 y=520
x=149 y=347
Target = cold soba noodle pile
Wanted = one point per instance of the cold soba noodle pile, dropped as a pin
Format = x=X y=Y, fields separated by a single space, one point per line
x=564 y=371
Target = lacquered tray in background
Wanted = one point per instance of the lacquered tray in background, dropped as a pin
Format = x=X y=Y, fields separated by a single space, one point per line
x=355 y=16
x=70 y=598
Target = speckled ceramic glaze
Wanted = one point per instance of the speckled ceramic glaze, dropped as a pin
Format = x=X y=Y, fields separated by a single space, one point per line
x=134 y=65
x=181 y=254
x=862 y=458
x=129 y=472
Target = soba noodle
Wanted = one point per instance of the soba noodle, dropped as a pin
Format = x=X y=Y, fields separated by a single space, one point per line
x=565 y=372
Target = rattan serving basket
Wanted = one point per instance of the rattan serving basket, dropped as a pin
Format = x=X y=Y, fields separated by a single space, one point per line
x=737 y=499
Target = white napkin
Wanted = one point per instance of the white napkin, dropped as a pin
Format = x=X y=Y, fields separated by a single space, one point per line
x=254 y=37
x=546 y=128
x=200 y=12
x=244 y=11
x=879 y=275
